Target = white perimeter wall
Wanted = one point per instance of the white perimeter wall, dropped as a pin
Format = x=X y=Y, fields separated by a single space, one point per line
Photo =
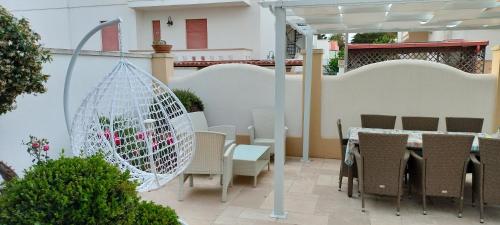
x=230 y=91
x=63 y=23
x=411 y=88
x=43 y=115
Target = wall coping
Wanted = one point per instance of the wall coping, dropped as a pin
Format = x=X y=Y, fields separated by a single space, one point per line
x=62 y=51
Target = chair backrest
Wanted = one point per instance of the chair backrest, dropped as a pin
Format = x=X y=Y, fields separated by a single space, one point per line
x=199 y=121
x=462 y=124
x=446 y=158
x=263 y=122
x=341 y=138
x=382 y=161
x=209 y=153
x=490 y=156
x=420 y=123
x=378 y=121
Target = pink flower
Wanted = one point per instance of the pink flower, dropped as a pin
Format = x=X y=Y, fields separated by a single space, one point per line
x=140 y=135
x=107 y=134
x=118 y=141
x=46 y=147
x=35 y=144
x=155 y=145
x=170 y=139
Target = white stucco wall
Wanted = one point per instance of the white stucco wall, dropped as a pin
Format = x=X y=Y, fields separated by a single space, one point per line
x=230 y=91
x=43 y=115
x=406 y=88
x=402 y=88
x=63 y=23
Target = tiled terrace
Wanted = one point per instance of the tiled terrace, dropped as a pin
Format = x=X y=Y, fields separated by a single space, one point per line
x=311 y=198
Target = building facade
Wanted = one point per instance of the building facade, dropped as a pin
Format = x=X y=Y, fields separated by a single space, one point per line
x=197 y=29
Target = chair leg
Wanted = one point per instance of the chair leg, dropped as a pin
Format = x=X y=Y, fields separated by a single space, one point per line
x=398 y=204
x=221 y=176
x=473 y=191
x=481 y=209
x=460 y=206
x=424 y=204
x=191 y=181
x=225 y=184
x=340 y=180
x=180 y=193
x=362 y=201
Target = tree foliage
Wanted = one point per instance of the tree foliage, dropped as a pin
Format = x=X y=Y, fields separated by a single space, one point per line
x=21 y=60
x=374 y=38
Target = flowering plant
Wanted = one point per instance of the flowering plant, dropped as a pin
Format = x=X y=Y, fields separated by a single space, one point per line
x=38 y=148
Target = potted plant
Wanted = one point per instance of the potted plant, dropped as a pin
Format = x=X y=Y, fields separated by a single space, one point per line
x=190 y=100
x=161 y=46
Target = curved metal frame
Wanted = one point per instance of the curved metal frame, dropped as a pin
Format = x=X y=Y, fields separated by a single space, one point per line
x=71 y=65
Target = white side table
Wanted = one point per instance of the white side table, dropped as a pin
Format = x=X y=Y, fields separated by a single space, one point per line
x=250 y=160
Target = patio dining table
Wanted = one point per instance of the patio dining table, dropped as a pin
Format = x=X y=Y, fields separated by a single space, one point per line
x=414 y=141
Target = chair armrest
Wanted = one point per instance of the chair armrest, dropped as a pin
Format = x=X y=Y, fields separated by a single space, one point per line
x=251 y=132
x=286 y=129
x=474 y=160
x=229 y=130
x=416 y=156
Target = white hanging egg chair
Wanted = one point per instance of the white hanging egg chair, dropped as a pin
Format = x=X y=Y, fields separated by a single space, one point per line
x=135 y=121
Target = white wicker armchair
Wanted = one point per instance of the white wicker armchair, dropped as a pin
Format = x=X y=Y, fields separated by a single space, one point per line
x=210 y=158
x=200 y=124
x=262 y=130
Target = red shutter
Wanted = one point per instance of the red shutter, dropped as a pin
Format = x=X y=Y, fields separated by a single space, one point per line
x=196 y=33
x=156 y=30
x=109 y=37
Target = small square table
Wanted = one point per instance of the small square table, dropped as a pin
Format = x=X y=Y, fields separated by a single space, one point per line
x=250 y=160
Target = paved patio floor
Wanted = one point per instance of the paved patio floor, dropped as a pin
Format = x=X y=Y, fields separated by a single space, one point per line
x=311 y=198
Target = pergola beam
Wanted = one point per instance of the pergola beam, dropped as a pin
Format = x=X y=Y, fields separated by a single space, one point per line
x=319 y=3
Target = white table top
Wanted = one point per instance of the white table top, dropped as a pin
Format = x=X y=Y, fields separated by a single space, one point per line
x=249 y=152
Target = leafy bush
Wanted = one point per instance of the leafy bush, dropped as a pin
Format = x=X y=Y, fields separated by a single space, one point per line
x=75 y=191
x=190 y=100
x=149 y=213
x=21 y=59
x=333 y=66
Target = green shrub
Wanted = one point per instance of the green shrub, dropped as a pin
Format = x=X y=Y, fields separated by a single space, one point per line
x=21 y=60
x=149 y=213
x=190 y=100
x=70 y=190
x=77 y=191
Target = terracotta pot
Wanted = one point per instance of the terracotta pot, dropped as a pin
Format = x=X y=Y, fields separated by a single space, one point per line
x=162 y=48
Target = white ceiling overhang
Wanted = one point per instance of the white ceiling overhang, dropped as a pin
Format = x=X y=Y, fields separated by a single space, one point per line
x=354 y=16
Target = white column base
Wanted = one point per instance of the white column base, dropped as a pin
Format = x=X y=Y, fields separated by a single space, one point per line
x=279 y=216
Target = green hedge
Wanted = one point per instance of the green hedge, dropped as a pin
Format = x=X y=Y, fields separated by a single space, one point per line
x=77 y=191
x=190 y=100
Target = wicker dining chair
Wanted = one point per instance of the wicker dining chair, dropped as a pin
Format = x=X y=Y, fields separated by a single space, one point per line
x=381 y=165
x=378 y=121
x=420 y=123
x=462 y=124
x=485 y=178
x=343 y=166
x=441 y=170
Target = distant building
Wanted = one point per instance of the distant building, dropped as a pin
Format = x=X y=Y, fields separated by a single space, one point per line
x=493 y=36
x=197 y=29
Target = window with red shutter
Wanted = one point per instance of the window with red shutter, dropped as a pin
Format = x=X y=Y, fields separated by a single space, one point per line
x=156 y=30
x=109 y=37
x=196 y=34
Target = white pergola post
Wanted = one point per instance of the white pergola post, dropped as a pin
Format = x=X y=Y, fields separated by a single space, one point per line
x=307 y=96
x=279 y=104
